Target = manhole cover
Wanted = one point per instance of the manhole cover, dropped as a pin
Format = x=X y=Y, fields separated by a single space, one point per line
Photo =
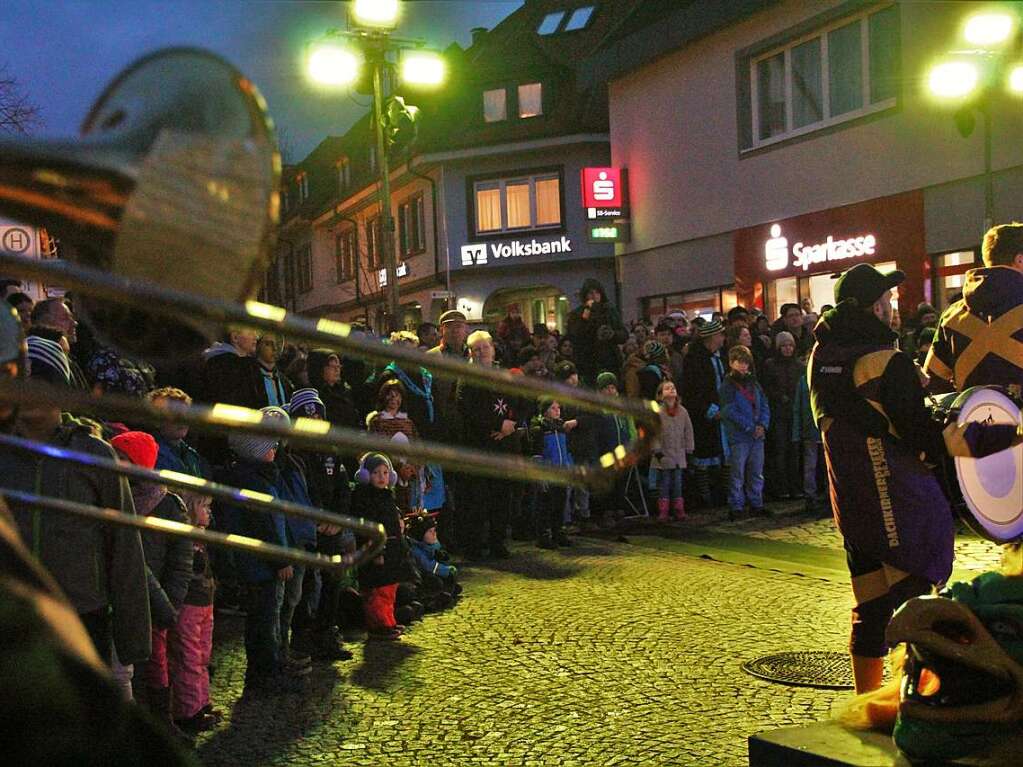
x=804 y=668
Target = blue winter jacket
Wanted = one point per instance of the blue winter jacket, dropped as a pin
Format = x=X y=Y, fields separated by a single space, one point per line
x=803 y=426
x=181 y=457
x=549 y=441
x=739 y=416
x=293 y=487
x=426 y=558
x=264 y=526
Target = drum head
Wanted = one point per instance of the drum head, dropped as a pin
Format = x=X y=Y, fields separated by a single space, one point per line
x=992 y=487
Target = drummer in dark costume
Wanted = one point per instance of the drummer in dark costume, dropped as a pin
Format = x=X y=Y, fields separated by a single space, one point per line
x=979 y=340
x=879 y=437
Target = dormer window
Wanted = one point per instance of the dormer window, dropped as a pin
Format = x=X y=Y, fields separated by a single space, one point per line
x=530 y=100
x=550 y=23
x=344 y=174
x=571 y=20
x=495 y=105
x=579 y=19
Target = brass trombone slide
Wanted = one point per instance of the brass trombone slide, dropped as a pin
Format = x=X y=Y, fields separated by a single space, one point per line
x=248 y=499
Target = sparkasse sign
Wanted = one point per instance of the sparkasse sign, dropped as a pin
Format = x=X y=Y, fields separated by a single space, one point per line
x=602 y=188
x=482 y=253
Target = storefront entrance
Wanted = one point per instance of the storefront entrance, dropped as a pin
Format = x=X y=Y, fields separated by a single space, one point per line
x=789 y=260
x=819 y=288
x=538 y=305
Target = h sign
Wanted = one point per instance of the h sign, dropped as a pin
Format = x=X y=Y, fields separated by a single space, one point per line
x=474 y=255
x=602 y=188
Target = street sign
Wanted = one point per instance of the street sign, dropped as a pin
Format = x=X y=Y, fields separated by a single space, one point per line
x=437 y=295
x=610 y=231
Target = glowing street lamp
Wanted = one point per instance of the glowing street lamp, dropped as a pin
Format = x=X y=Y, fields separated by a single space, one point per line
x=1016 y=80
x=376 y=14
x=425 y=68
x=332 y=64
x=953 y=79
x=988 y=30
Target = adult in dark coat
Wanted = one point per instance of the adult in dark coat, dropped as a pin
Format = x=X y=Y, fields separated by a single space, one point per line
x=596 y=331
x=780 y=377
x=489 y=424
x=325 y=375
x=702 y=374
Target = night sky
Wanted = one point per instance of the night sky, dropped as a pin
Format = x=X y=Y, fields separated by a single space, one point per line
x=63 y=53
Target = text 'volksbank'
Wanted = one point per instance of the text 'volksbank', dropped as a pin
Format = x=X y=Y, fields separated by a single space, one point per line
x=474 y=255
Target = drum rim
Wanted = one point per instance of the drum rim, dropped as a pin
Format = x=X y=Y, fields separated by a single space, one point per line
x=983 y=526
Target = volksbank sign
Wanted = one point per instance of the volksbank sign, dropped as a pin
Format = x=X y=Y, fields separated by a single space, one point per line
x=477 y=255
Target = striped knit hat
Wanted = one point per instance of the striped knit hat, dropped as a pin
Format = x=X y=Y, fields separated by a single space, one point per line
x=306 y=403
x=710 y=328
x=47 y=361
x=254 y=446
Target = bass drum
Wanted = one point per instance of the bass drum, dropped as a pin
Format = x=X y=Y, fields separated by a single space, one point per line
x=987 y=493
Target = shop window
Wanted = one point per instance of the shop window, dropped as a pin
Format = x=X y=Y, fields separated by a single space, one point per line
x=411 y=227
x=533 y=202
x=305 y=269
x=949 y=276
x=825 y=75
x=530 y=100
x=538 y=315
x=495 y=105
x=346 y=254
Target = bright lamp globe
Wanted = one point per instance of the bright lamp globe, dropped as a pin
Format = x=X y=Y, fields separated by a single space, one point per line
x=420 y=68
x=1016 y=80
x=953 y=79
x=988 y=29
x=333 y=65
x=379 y=14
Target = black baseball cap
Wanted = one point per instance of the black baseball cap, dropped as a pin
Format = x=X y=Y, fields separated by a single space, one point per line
x=865 y=284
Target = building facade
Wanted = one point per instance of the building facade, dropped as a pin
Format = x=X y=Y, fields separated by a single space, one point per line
x=487 y=201
x=770 y=145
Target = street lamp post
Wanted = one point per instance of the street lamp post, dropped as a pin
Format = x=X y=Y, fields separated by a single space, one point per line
x=336 y=61
x=386 y=221
x=972 y=78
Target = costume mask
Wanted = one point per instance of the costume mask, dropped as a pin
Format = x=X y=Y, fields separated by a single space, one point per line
x=962 y=682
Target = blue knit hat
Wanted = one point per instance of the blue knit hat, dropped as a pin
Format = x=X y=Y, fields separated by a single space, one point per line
x=306 y=403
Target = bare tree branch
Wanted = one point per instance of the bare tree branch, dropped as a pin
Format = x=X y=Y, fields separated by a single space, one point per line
x=17 y=114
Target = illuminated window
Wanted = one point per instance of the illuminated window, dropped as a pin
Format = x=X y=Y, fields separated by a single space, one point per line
x=530 y=202
x=302 y=181
x=530 y=100
x=836 y=73
x=374 y=240
x=495 y=105
x=580 y=18
x=550 y=23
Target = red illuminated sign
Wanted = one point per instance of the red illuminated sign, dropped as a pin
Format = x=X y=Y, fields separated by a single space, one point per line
x=603 y=188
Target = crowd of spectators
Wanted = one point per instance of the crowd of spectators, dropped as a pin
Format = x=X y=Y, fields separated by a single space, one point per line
x=728 y=386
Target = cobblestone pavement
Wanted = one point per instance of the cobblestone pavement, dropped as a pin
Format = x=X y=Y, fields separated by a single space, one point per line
x=609 y=654
x=973 y=554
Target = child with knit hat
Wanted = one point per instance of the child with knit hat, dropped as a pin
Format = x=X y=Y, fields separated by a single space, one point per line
x=373 y=500
x=168 y=565
x=439 y=588
x=254 y=469
x=669 y=460
x=550 y=445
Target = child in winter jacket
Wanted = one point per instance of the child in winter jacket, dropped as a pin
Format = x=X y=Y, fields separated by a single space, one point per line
x=550 y=446
x=191 y=640
x=168 y=567
x=373 y=500
x=439 y=587
x=669 y=461
x=745 y=415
